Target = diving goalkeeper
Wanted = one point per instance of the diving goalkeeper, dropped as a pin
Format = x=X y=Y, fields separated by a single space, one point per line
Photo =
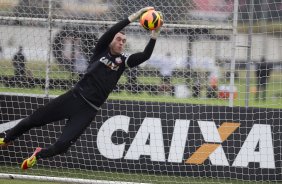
x=81 y=104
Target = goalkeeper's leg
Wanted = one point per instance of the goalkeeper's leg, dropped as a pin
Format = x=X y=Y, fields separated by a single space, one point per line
x=75 y=126
x=3 y=143
x=52 y=111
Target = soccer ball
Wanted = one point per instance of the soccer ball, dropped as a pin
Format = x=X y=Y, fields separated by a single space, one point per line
x=151 y=20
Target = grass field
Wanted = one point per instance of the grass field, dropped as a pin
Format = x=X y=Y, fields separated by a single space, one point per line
x=15 y=181
x=188 y=181
x=274 y=88
x=122 y=177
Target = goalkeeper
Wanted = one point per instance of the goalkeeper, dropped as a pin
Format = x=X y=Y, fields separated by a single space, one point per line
x=80 y=104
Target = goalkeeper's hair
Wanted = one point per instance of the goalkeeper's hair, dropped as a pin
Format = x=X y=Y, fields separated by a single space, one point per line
x=122 y=32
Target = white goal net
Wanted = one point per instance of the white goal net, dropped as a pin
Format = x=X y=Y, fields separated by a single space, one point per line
x=205 y=108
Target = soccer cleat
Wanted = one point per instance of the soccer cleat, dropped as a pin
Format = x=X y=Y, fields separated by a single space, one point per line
x=31 y=161
x=3 y=143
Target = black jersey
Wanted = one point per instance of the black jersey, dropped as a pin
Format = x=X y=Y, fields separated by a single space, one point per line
x=106 y=69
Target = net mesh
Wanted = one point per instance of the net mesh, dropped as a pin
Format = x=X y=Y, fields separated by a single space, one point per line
x=45 y=47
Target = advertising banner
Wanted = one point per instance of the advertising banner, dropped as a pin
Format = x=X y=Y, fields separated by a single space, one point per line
x=162 y=138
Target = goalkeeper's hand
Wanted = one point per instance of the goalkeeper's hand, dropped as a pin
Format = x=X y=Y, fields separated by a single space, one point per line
x=137 y=14
x=156 y=32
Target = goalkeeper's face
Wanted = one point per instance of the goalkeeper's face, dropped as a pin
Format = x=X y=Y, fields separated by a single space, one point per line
x=118 y=44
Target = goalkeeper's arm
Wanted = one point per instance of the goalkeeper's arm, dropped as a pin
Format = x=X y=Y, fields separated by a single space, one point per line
x=108 y=36
x=140 y=57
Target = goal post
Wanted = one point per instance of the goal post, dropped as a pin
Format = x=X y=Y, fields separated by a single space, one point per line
x=205 y=108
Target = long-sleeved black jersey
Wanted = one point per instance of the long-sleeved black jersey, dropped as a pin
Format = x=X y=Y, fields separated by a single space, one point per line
x=106 y=69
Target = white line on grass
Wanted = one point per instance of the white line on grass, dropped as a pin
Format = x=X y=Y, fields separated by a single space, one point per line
x=57 y=179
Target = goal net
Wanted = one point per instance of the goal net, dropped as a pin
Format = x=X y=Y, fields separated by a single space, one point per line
x=205 y=108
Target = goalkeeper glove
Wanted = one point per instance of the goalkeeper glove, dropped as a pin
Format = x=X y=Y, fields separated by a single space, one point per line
x=156 y=32
x=137 y=14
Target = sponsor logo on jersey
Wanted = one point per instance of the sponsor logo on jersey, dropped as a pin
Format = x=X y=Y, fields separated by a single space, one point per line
x=118 y=60
x=109 y=63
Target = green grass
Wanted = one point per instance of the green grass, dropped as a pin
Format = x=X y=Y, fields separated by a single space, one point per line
x=172 y=180
x=274 y=93
x=38 y=69
x=274 y=89
x=125 y=177
x=17 y=181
